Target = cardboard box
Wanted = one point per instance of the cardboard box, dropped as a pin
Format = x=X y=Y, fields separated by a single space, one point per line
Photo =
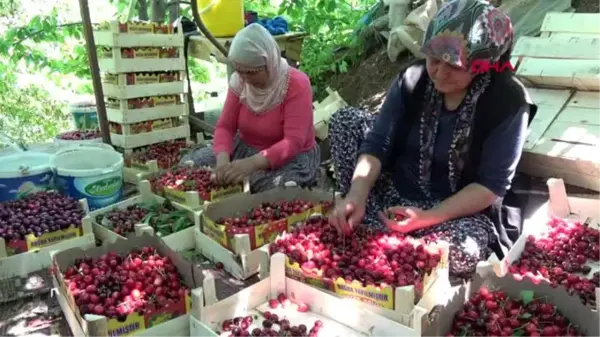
x=92 y=325
x=260 y=235
x=569 y=306
x=340 y=317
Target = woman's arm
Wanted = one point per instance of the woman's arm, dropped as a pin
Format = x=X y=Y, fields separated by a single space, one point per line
x=297 y=119
x=375 y=149
x=226 y=127
x=499 y=160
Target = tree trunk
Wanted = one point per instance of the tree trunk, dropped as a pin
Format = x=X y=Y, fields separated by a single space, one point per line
x=143 y=8
x=158 y=9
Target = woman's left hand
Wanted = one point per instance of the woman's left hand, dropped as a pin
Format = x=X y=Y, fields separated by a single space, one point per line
x=412 y=219
x=236 y=171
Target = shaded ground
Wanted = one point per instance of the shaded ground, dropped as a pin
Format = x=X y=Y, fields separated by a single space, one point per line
x=586 y=6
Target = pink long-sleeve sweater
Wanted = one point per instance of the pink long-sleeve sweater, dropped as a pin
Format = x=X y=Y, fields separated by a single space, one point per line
x=280 y=134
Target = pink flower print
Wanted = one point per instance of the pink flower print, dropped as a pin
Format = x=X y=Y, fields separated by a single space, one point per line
x=449 y=47
x=499 y=27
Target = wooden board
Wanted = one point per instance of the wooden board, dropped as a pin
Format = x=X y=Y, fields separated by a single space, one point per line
x=558 y=47
x=569 y=147
x=553 y=73
x=587 y=23
x=550 y=103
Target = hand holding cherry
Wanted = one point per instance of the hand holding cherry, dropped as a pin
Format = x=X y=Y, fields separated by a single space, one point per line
x=407 y=219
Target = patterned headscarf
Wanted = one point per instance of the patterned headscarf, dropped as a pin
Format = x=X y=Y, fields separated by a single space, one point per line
x=467 y=30
x=254 y=49
x=462 y=31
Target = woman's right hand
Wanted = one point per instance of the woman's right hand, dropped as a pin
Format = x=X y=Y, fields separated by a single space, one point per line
x=222 y=162
x=348 y=213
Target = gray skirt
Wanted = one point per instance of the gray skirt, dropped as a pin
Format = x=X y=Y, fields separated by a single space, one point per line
x=302 y=169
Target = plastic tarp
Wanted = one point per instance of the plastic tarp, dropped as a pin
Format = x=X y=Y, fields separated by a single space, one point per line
x=406 y=29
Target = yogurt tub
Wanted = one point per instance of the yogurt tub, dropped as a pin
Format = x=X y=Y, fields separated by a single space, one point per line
x=23 y=173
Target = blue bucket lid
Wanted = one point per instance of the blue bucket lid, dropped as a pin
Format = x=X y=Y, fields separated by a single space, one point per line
x=24 y=164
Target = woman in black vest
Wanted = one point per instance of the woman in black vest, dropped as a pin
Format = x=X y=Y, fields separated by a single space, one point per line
x=445 y=145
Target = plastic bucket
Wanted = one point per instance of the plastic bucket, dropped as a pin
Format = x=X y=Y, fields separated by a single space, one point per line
x=223 y=18
x=23 y=173
x=84 y=114
x=89 y=172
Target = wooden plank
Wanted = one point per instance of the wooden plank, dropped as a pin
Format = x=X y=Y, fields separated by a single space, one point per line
x=571 y=23
x=569 y=35
x=585 y=99
x=553 y=73
x=581 y=116
x=571 y=141
x=558 y=47
x=550 y=103
x=577 y=173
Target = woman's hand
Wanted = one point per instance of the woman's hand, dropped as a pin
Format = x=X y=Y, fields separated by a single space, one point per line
x=348 y=213
x=236 y=171
x=222 y=162
x=412 y=219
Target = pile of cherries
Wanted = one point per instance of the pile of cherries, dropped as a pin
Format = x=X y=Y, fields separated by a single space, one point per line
x=268 y=212
x=122 y=221
x=80 y=135
x=167 y=154
x=116 y=286
x=375 y=259
x=185 y=179
x=37 y=214
x=493 y=313
x=559 y=256
x=243 y=326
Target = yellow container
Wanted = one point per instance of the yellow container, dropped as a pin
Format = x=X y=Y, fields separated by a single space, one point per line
x=223 y=18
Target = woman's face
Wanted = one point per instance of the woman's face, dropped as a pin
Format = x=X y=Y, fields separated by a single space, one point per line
x=448 y=79
x=259 y=79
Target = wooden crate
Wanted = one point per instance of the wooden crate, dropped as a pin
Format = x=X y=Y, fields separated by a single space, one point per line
x=121 y=90
x=323 y=111
x=564 y=138
x=148 y=138
x=124 y=115
x=341 y=317
x=559 y=205
x=117 y=65
x=107 y=236
x=34 y=260
x=111 y=36
x=565 y=56
x=170 y=320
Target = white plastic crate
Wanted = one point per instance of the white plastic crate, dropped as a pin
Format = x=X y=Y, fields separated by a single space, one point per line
x=122 y=90
x=143 y=139
x=112 y=37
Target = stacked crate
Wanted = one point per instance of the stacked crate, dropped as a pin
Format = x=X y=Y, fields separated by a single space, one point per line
x=143 y=70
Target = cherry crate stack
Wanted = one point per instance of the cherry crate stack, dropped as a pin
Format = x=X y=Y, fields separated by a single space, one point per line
x=143 y=70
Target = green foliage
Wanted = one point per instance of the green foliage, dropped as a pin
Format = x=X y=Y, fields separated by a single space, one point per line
x=333 y=45
x=198 y=72
x=28 y=113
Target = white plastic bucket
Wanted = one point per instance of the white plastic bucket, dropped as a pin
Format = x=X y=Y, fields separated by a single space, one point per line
x=23 y=173
x=89 y=172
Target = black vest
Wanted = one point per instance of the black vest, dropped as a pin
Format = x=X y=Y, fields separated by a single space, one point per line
x=505 y=97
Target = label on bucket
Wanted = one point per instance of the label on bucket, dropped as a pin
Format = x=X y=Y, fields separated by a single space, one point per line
x=19 y=187
x=100 y=191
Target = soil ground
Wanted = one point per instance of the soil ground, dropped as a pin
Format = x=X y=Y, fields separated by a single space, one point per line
x=365 y=86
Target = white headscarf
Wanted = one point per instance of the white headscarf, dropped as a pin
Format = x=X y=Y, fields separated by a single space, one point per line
x=254 y=49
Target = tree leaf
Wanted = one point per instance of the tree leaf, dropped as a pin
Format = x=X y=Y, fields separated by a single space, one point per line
x=518 y=332
x=525 y=316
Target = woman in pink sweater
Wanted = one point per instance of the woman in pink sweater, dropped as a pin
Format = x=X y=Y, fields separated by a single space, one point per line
x=265 y=131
